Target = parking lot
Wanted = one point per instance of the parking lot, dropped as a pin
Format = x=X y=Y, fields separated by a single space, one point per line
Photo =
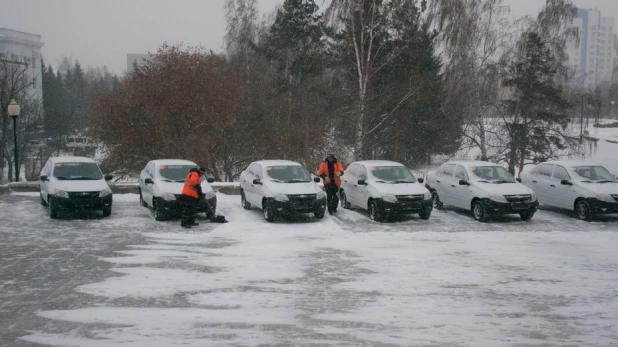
x=128 y=280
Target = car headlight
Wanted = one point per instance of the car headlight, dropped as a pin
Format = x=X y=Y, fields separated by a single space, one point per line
x=321 y=195
x=605 y=197
x=168 y=197
x=105 y=192
x=533 y=196
x=209 y=195
x=281 y=197
x=61 y=194
x=497 y=198
x=389 y=197
x=427 y=196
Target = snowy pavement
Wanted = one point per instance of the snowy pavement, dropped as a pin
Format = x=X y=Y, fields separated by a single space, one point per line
x=346 y=281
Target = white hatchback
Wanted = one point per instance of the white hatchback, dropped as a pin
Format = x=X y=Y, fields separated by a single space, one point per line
x=385 y=189
x=482 y=187
x=281 y=188
x=586 y=188
x=74 y=183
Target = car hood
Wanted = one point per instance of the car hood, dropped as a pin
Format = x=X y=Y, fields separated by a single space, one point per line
x=176 y=187
x=399 y=189
x=80 y=185
x=293 y=188
x=504 y=188
x=601 y=188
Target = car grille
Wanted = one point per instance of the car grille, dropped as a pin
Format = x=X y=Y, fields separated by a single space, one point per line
x=410 y=201
x=303 y=201
x=83 y=195
x=518 y=198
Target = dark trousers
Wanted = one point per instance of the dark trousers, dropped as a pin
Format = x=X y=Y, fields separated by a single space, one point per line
x=332 y=200
x=188 y=210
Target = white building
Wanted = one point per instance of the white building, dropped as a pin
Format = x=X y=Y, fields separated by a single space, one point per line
x=594 y=58
x=22 y=49
x=136 y=59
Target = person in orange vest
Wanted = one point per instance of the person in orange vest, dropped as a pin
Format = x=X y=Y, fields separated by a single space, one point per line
x=331 y=171
x=191 y=193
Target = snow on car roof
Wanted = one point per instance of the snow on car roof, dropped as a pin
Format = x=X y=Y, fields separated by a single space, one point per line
x=69 y=159
x=173 y=162
x=277 y=162
x=470 y=163
x=378 y=163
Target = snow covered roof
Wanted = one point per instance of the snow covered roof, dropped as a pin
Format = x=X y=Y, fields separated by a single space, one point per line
x=173 y=162
x=276 y=162
x=571 y=163
x=71 y=160
x=470 y=163
x=378 y=163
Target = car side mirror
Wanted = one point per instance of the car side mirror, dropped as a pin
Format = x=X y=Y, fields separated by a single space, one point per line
x=566 y=183
x=464 y=183
x=420 y=180
x=257 y=181
x=109 y=177
x=362 y=182
x=148 y=181
x=518 y=179
x=210 y=180
x=44 y=178
x=316 y=179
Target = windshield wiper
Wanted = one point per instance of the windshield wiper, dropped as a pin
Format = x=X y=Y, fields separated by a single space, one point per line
x=179 y=181
x=80 y=178
x=604 y=181
x=383 y=182
x=403 y=181
x=166 y=180
x=297 y=181
x=483 y=181
x=62 y=178
x=502 y=181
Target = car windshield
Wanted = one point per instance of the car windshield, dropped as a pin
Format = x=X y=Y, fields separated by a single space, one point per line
x=77 y=171
x=392 y=174
x=494 y=174
x=288 y=173
x=594 y=173
x=176 y=173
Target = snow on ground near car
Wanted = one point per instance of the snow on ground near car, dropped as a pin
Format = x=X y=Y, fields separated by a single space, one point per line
x=341 y=281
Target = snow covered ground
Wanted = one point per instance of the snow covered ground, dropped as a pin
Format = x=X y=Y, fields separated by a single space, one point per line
x=342 y=281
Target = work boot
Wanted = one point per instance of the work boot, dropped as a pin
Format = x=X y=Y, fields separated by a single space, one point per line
x=186 y=226
x=195 y=224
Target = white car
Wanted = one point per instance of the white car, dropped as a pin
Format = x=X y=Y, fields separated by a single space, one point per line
x=385 y=189
x=482 y=187
x=160 y=187
x=586 y=188
x=74 y=183
x=281 y=188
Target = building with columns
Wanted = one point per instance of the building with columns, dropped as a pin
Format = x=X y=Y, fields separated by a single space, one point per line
x=22 y=49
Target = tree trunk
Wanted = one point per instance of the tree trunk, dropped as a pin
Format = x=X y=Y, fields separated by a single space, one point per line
x=483 y=140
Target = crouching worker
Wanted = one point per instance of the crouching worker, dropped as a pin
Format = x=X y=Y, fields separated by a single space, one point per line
x=191 y=193
x=331 y=171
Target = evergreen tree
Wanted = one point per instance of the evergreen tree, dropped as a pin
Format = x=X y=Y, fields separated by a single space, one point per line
x=537 y=114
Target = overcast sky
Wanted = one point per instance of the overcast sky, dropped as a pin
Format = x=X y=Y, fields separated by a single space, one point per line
x=102 y=32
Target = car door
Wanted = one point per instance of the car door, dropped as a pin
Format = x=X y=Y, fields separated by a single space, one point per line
x=256 y=190
x=541 y=183
x=444 y=182
x=147 y=190
x=361 y=195
x=460 y=194
x=348 y=182
x=561 y=195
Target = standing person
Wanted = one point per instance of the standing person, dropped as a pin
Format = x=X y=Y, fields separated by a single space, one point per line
x=191 y=192
x=331 y=171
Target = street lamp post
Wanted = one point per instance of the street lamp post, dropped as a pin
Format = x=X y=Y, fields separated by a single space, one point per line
x=14 y=110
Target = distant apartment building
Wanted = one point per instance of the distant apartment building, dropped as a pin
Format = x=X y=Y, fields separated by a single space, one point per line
x=136 y=60
x=23 y=51
x=595 y=57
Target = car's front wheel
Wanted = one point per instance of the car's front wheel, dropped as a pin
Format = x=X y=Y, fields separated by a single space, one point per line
x=159 y=213
x=243 y=200
x=527 y=216
x=269 y=213
x=584 y=211
x=374 y=212
x=344 y=201
x=107 y=211
x=480 y=211
x=437 y=204
x=425 y=214
x=319 y=214
x=53 y=209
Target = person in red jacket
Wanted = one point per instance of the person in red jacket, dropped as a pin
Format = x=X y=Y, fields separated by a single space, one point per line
x=331 y=171
x=191 y=193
